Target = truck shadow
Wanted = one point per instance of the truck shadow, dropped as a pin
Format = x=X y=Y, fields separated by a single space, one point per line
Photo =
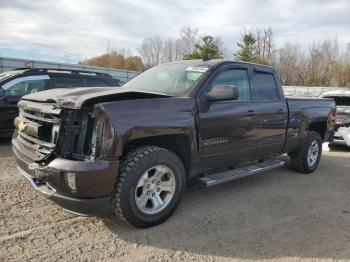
x=339 y=148
x=273 y=215
x=5 y=141
x=5 y=147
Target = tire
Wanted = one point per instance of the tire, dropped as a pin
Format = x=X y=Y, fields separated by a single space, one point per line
x=300 y=160
x=144 y=166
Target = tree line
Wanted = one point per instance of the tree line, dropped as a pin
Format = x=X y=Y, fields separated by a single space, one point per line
x=323 y=64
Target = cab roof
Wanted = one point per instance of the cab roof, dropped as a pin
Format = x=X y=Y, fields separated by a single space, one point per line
x=216 y=62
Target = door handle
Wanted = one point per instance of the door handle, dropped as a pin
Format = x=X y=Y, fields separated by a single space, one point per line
x=280 y=111
x=250 y=113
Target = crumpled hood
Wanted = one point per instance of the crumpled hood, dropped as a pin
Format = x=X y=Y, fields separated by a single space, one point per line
x=76 y=97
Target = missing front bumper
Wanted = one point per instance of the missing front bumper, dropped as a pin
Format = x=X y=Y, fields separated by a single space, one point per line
x=79 y=206
x=95 y=182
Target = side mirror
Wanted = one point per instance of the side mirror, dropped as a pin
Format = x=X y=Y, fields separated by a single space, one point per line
x=222 y=93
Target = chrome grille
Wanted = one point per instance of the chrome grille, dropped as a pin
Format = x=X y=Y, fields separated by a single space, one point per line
x=41 y=142
x=39 y=117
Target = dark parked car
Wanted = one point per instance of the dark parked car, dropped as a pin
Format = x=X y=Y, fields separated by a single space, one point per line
x=130 y=151
x=19 y=82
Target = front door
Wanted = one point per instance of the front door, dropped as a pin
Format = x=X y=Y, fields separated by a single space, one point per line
x=227 y=129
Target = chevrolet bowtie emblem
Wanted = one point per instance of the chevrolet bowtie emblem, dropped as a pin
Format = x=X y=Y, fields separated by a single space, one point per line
x=21 y=126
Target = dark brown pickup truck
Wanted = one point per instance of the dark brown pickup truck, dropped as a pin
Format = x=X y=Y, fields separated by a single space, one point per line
x=130 y=151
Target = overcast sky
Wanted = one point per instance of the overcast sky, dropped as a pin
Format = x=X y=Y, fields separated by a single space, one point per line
x=69 y=30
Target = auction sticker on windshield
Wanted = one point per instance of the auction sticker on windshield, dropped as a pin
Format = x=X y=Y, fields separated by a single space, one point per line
x=201 y=69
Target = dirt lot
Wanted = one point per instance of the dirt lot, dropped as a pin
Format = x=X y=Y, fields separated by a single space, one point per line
x=276 y=215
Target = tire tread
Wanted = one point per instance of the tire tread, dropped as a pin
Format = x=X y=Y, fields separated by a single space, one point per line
x=125 y=169
x=297 y=158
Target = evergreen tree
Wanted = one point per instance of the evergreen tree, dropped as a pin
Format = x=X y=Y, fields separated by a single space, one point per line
x=247 y=51
x=208 y=49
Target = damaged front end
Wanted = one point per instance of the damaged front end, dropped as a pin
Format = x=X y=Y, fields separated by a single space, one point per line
x=67 y=154
x=85 y=134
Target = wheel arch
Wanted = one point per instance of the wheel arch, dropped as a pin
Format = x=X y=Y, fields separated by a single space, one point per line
x=319 y=127
x=179 y=144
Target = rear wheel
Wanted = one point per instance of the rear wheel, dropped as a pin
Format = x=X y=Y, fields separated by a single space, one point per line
x=307 y=157
x=149 y=187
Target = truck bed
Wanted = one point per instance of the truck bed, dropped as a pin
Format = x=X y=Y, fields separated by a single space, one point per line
x=302 y=110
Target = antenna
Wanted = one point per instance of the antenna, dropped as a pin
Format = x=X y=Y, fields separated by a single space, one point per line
x=107 y=54
x=206 y=57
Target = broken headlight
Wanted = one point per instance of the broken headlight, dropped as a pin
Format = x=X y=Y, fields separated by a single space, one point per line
x=103 y=140
x=97 y=134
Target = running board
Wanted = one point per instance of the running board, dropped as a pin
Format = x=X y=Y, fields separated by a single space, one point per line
x=236 y=173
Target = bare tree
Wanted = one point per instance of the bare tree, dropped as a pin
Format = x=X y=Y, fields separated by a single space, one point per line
x=168 y=51
x=189 y=37
x=172 y=50
x=322 y=58
x=265 y=46
x=151 y=51
x=179 y=52
x=256 y=45
x=155 y=50
x=322 y=65
x=290 y=63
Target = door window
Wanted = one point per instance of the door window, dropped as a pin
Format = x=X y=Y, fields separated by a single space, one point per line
x=235 y=77
x=25 y=85
x=266 y=88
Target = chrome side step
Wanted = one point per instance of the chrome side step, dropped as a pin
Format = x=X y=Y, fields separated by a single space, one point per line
x=236 y=173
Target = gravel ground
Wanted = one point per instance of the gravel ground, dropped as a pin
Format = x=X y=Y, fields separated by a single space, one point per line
x=279 y=215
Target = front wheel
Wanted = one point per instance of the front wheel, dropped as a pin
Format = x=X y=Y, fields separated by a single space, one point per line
x=307 y=157
x=150 y=186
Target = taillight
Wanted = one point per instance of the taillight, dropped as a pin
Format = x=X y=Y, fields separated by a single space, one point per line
x=333 y=116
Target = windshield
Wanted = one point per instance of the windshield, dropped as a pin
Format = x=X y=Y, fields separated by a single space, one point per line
x=174 y=79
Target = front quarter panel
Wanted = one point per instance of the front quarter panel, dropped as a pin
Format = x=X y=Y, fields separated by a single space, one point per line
x=144 y=118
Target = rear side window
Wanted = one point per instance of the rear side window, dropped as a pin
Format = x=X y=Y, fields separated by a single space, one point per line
x=66 y=81
x=114 y=82
x=265 y=87
x=111 y=81
x=95 y=82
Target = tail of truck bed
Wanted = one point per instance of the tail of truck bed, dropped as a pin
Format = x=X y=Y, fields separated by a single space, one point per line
x=309 y=114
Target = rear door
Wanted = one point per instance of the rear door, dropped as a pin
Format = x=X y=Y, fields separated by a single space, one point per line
x=227 y=129
x=271 y=110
